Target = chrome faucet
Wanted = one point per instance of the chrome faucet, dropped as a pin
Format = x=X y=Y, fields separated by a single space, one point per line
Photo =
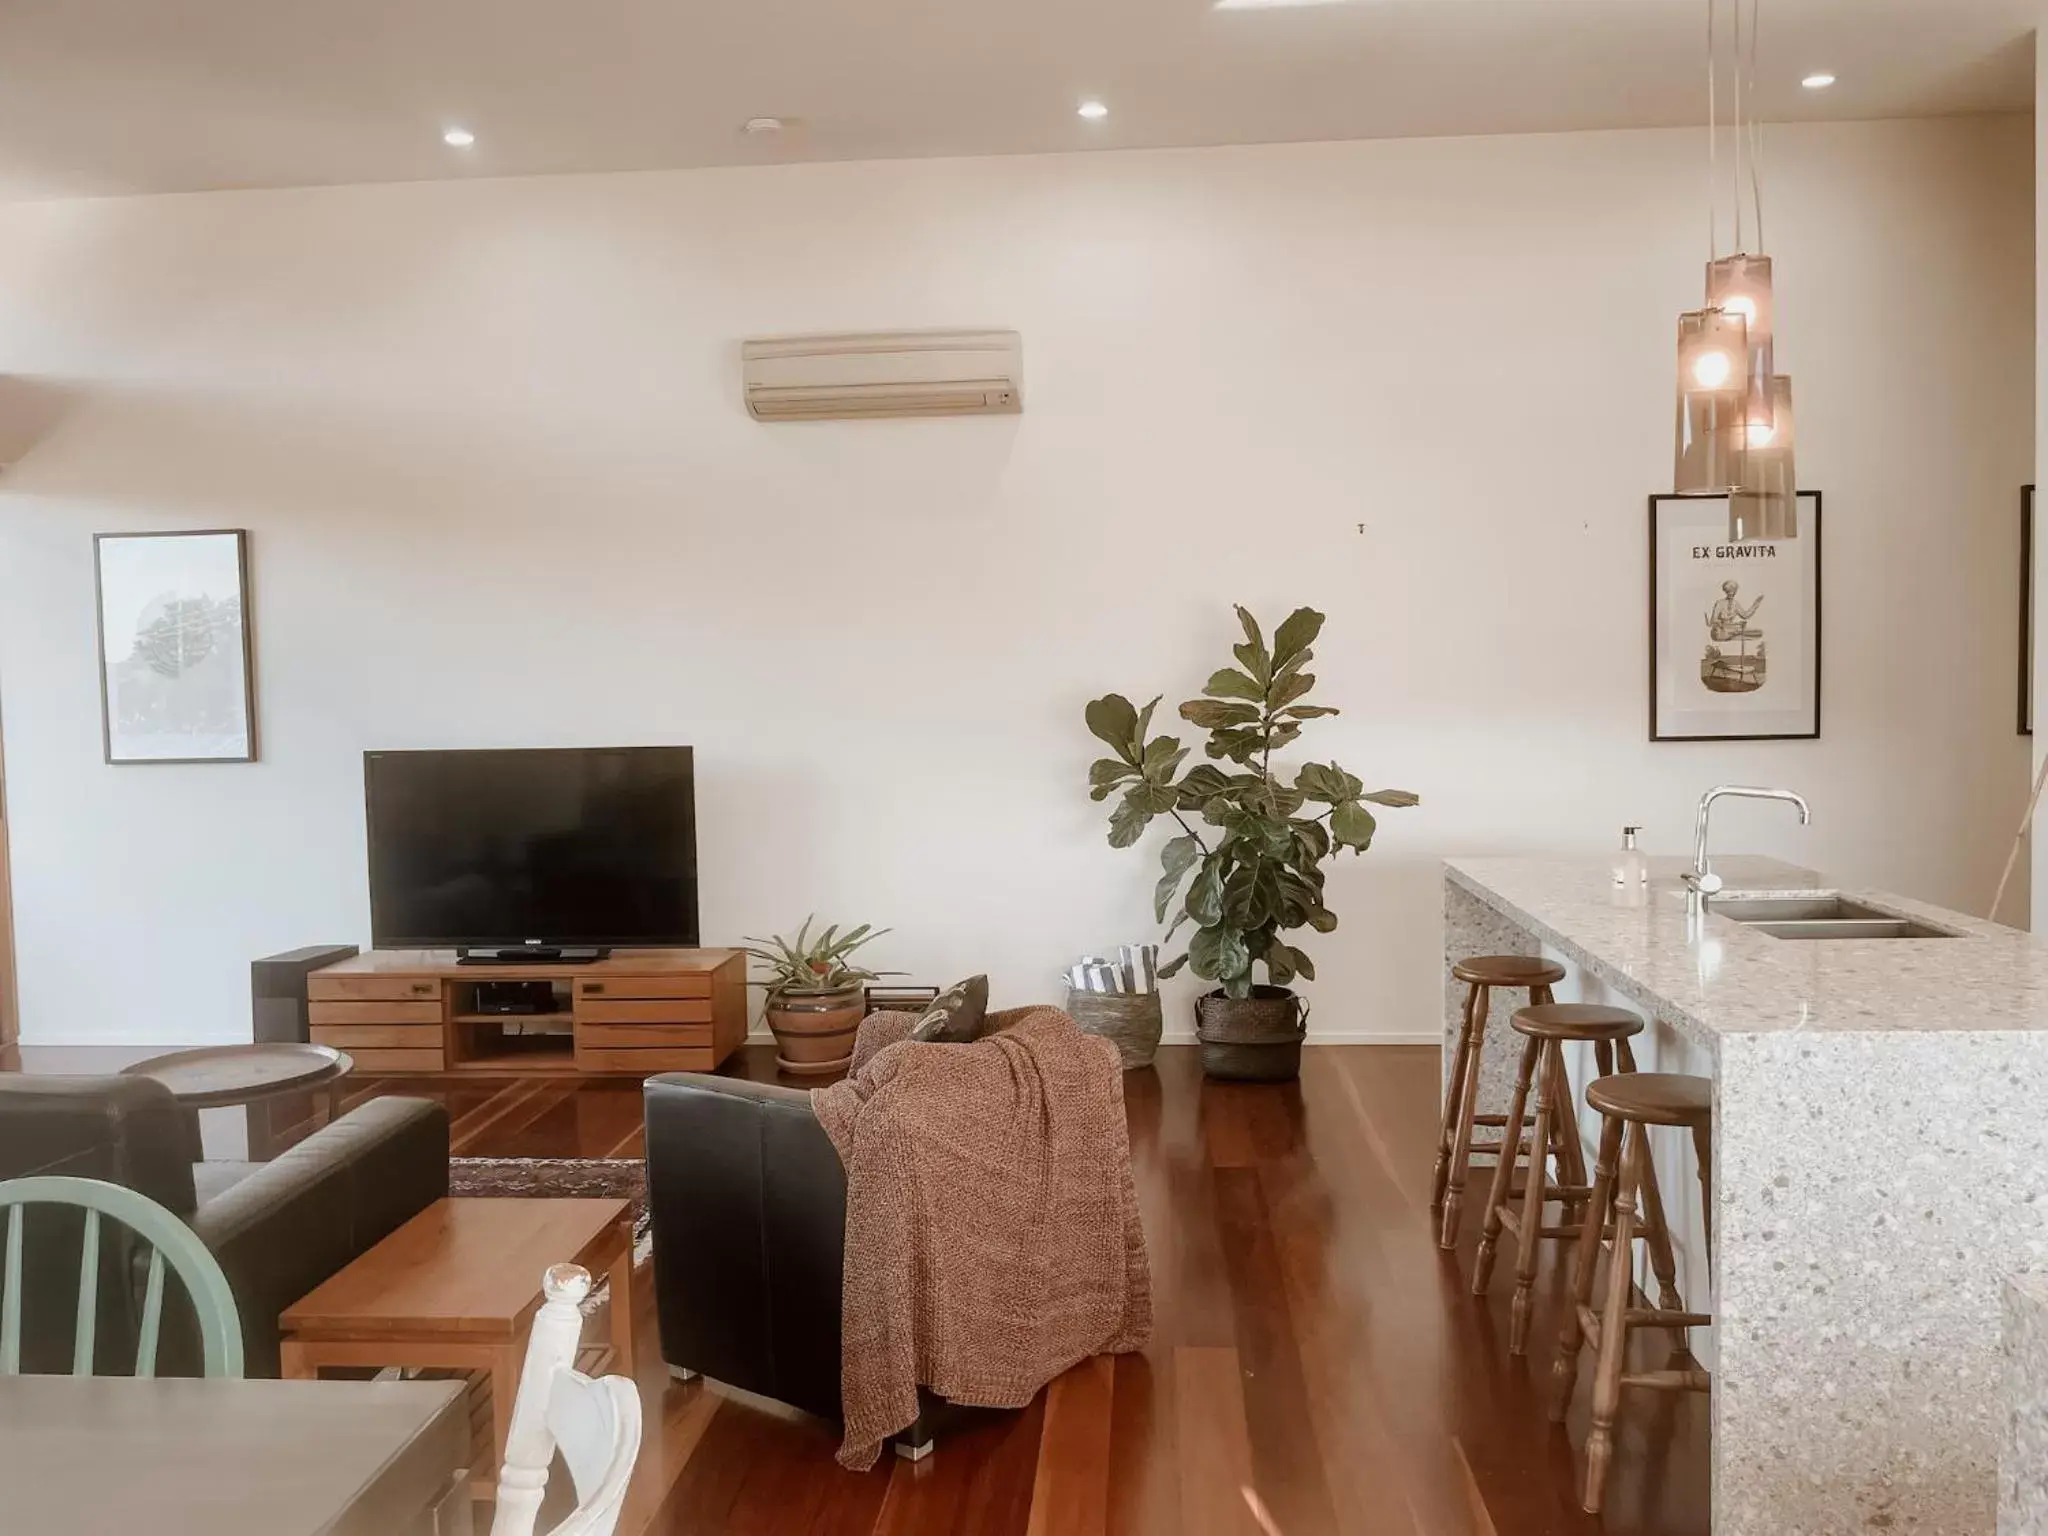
x=1701 y=879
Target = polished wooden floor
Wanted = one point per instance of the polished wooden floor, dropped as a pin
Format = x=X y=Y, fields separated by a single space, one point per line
x=1312 y=1345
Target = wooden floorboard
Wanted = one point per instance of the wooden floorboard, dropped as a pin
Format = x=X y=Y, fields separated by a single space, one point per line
x=1312 y=1345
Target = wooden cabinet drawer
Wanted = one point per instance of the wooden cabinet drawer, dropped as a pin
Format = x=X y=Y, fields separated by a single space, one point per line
x=374 y=1013
x=674 y=1010
x=372 y=988
x=356 y=1037
x=398 y=1062
x=643 y=1036
x=644 y=1062
x=692 y=984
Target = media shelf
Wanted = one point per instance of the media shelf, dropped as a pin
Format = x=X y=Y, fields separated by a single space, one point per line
x=414 y=1012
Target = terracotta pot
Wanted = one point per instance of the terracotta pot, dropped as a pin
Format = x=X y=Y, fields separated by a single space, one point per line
x=814 y=1031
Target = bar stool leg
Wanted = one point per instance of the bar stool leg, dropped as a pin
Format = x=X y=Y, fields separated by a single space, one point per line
x=1657 y=1238
x=1454 y=1097
x=1703 y=1154
x=1461 y=1139
x=1564 y=1373
x=1564 y=1125
x=1504 y=1168
x=1613 y=1325
x=1535 y=1191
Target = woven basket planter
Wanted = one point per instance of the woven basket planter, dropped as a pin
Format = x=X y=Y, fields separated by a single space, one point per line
x=1131 y=1021
x=1256 y=1039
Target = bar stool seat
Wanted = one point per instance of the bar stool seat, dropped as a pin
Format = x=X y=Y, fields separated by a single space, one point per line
x=1655 y=1098
x=1508 y=971
x=1630 y=1104
x=1455 y=1147
x=1555 y=1133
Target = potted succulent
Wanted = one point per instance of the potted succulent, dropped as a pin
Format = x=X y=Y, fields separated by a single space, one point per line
x=1247 y=865
x=815 y=997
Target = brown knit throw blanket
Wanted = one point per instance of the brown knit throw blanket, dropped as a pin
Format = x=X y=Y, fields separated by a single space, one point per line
x=992 y=1231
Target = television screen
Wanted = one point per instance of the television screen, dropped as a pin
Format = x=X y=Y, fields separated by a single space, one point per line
x=576 y=846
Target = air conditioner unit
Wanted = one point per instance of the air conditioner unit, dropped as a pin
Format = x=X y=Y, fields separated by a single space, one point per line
x=889 y=373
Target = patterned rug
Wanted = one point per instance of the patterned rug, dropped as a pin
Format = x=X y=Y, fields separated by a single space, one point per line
x=562 y=1178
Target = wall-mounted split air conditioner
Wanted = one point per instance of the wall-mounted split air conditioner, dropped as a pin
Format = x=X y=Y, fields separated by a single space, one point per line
x=889 y=373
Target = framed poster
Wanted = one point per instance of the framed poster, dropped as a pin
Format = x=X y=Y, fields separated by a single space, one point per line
x=175 y=672
x=2026 y=610
x=1734 y=628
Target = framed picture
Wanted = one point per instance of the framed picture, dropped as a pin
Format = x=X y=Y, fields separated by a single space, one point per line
x=175 y=669
x=1734 y=628
x=2026 y=610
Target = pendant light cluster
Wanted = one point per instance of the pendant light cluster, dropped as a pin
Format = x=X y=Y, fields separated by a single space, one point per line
x=1735 y=433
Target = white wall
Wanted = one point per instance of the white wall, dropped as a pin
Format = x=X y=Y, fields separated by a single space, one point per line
x=487 y=440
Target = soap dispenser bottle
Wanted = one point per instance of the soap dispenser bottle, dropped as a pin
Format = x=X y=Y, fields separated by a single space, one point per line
x=1631 y=869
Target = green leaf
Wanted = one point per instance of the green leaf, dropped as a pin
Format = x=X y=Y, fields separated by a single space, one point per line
x=1163 y=893
x=1400 y=799
x=1160 y=755
x=1205 y=896
x=1144 y=724
x=1303 y=966
x=1112 y=719
x=1284 y=693
x=1240 y=744
x=1323 y=920
x=1309 y=711
x=1313 y=839
x=1179 y=856
x=1279 y=960
x=1216 y=714
x=1319 y=784
x=1172 y=967
x=1219 y=954
x=1154 y=799
x=1127 y=823
x=1296 y=634
x=1104 y=774
x=1255 y=661
x=1233 y=684
x=1251 y=626
x=1352 y=826
x=1174 y=927
x=1203 y=783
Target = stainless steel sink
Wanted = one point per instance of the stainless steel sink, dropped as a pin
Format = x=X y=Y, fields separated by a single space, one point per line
x=1853 y=928
x=1821 y=917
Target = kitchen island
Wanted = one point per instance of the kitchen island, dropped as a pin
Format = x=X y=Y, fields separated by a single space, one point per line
x=1880 y=1168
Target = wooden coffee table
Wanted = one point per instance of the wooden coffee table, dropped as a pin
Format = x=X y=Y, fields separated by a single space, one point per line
x=457 y=1287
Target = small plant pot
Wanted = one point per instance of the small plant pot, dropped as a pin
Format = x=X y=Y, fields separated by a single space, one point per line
x=814 y=1031
x=1254 y=1039
x=1130 y=1021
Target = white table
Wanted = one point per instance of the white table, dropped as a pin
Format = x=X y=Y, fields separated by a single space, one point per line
x=91 y=1455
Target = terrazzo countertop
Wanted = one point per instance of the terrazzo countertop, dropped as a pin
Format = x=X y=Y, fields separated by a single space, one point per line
x=1716 y=977
x=2023 y=1460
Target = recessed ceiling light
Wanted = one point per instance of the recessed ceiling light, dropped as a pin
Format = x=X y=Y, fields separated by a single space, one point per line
x=1819 y=82
x=761 y=125
x=457 y=138
x=1094 y=111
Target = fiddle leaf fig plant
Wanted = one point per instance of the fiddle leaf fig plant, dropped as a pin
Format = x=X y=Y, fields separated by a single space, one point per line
x=1247 y=865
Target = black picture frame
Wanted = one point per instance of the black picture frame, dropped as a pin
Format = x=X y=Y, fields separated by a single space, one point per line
x=100 y=541
x=1811 y=506
x=2026 y=667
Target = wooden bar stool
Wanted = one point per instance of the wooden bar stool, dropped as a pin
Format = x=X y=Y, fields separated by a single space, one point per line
x=1631 y=1102
x=1546 y=1027
x=1454 y=1146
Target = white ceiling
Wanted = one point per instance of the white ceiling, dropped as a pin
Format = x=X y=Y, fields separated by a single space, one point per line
x=123 y=96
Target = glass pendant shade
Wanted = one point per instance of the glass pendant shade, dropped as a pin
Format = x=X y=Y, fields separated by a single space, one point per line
x=1741 y=285
x=1713 y=440
x=1767 y=505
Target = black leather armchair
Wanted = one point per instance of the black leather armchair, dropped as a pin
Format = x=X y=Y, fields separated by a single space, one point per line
x=748 y=1200
x=278 y=1232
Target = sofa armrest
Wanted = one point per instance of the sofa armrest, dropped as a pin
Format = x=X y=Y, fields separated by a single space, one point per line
x=123 y=1130
x=748 y=1201
x=299 y=1220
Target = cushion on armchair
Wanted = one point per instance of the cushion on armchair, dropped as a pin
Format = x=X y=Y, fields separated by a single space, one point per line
x=959 y=1015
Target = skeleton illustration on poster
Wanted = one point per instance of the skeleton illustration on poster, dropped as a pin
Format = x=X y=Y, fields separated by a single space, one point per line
x=1735 y=628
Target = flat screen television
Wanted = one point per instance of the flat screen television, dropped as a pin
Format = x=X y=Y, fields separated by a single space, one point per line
x=559 y=847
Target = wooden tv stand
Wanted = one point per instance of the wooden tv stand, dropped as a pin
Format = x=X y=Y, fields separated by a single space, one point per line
x=414 y=1012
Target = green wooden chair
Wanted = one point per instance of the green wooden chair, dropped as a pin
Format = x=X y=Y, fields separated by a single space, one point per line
x=170 y=1241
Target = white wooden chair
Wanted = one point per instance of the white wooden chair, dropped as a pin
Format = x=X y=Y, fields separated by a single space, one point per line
x=596 y=1424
